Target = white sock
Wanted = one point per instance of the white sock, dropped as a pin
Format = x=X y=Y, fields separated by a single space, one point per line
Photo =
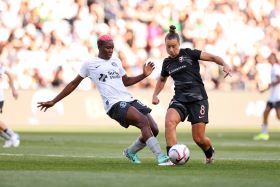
x=264 y=128
x=9 y=132
x=154 y=146
x=5 y=135
x=136 y=146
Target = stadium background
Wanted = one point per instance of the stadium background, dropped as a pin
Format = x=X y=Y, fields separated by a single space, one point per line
x=44 y=47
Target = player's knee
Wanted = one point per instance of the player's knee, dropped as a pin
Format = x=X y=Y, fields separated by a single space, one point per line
x=143 y=122
x=170 y=124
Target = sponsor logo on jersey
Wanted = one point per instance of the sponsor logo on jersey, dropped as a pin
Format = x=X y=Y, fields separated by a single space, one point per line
x=113 y=74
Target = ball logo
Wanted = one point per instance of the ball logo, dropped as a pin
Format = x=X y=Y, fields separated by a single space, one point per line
x=123 y=104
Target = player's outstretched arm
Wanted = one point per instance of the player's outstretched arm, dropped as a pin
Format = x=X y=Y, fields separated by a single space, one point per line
x=160 y=85
x=147 y=70
x=218 y=60
x=66 y=91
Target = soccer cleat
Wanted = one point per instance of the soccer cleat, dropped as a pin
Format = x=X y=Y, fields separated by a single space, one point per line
x=262 y=136
x=211 y=159
x=167 y=163
x=163 y=159
x=133 y=157
x=13 y=142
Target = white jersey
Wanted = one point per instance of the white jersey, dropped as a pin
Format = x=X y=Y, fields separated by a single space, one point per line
x=275 y=90
x=2 y=71
x=107 y=75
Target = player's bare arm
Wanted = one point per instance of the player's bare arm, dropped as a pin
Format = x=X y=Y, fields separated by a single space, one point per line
x=218 y=60
x=66 y=91
x=272 y=84
x=160 y=85
x=11 y=84
x=147 y=70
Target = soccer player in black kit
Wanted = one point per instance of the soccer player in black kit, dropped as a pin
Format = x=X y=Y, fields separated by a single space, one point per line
x=190 y=100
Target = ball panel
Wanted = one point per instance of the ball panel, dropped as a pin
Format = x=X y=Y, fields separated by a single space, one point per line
x=179 y=154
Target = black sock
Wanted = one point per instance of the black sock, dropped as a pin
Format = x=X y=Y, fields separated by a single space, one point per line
x=209 y=153
x=167 y=149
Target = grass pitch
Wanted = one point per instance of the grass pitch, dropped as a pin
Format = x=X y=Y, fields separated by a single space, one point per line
x=95 y=159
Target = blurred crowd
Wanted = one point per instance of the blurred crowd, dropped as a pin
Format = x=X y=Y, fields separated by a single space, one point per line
x=44 y=42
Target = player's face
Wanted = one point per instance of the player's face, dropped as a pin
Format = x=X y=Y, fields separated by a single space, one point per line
x=106 y=50
x=172 y=47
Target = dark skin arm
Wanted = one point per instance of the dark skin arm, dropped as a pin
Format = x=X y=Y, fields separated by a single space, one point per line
x=147 y=70
x=69 y=88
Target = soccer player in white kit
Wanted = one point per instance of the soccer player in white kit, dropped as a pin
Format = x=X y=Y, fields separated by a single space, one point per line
x=274 y=97
x=111 y=81
x=11 y=138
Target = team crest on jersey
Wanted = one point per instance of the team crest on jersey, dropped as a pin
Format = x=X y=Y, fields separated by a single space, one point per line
x=114 y=64
x=181 y=59
x=123 y=104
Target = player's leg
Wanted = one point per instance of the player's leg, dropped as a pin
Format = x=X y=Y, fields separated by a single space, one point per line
x=199 y=137
x=153 y=125
x=199 y=118
x=172 y=119
x=136 y=118
x=139 y=143
x=264 y=135
x=278 y=113
x=11 y=138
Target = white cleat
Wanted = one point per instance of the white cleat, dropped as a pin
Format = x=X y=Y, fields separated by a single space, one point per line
x=168 y=163
x=13 y=142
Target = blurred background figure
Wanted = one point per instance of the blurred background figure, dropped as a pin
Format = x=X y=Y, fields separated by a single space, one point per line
x=274 y=98
x=11 y=138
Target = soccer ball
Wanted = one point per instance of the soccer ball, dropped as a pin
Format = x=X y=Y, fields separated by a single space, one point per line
x=179 y=154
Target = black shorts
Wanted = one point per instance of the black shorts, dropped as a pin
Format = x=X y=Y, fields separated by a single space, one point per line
x=196 y=112
x=273 y=104
x=119 y=110
x=1 y=106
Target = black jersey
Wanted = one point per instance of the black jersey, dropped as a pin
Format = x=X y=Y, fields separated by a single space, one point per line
x=184 y=69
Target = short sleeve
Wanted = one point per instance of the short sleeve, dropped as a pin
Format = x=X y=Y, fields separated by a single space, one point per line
x=164 y=72
x=277 y=70
x=122 y=71
x=84 y=70
x=193 y=53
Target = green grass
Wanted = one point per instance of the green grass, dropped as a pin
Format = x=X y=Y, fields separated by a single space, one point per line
x=95 y=159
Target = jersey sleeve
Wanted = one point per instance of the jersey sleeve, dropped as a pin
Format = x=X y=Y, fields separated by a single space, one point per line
x=122 y=71
x=194 y=53
x=277 y=70
x=164 y=72
x=84 y=70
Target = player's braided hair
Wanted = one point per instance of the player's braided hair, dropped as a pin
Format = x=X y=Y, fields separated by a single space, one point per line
x=172 y=34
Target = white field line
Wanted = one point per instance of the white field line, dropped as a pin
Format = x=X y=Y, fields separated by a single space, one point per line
x=114 y=157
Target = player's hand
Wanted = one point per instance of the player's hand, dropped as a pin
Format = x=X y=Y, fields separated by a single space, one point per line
x=155 y=100
x=148 y=68
x=45 y=105
x=227 y=70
